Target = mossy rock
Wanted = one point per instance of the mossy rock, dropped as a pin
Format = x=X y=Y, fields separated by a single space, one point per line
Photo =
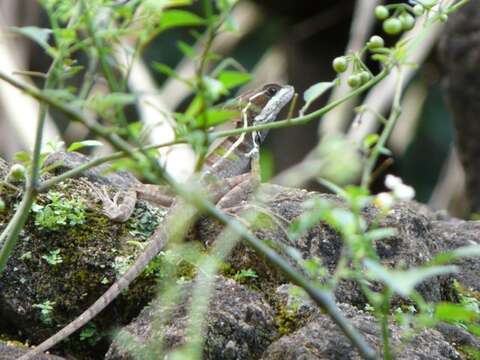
x=39 y=295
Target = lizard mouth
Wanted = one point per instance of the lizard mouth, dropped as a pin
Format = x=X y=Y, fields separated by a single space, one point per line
x=275 y=104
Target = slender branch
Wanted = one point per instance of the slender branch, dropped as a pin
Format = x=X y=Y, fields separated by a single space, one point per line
x=202 y=88
x=300 y=120
x=392 y=120
x=47 y=184
x=384 y=315
x=106 y=67
x=73 y=113
x=456 y=6
x=16 y=224
x=14 y=227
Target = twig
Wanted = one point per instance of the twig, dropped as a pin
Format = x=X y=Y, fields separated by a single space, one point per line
x=377 y=149
x=10 y=234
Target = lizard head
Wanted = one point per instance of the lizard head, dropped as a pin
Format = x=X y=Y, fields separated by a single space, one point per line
x=263 y=105
x=266 y=104
x=271 y=99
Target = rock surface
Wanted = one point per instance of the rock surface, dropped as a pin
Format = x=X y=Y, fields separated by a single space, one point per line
x=11 y=352
x=240 y=324
x=252 y=320
x=321 y=339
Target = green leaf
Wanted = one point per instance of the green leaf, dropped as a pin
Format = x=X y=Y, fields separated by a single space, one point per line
x=357 y=196
x=342 y=220
x=380 y=234
x=385 y=151
x=316 y=209
x=231 y=79
x=404 y=282
x=267 y=164
x=464 y=251
x=165 y=69
x=81 y=144
x=182 y=118
x=65 y=95
x=36 y=34
x=215 y=88
x=106 y=102
x=186 y=49
x=230 y=24
x=455 y=312
x=225 y=5
x=245 y=274
x=24 y=157
x=194 y=107
x=157 y=6
x=370 y=140
x=219 y=116
x=474 y=329
x=176 y=18
x=317 y=90
x=467 y=251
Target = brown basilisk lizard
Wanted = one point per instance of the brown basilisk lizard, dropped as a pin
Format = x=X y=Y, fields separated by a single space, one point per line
x=229 y=164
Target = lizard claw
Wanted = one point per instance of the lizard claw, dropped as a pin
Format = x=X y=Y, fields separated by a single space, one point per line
x=252 y=153
x=115 y=198
x=110 y=207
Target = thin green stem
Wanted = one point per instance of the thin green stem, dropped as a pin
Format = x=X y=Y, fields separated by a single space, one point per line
x=380 y=145
x=15 y=226
x=202 y=94
x=47 y=184
x=306 y=118
x=106 y=67
x=10 y=234
x=89 y=77
x=75 y=115
x=456 y=6
x=384 y=317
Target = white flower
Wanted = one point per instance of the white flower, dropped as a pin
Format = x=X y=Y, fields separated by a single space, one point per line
x=399 y=189
x=384 y=200
x=404 y=192
x=391 y=182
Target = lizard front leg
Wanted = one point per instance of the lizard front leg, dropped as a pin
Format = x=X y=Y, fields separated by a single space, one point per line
x=121 y=206
x=111 y=207
x=242 y=191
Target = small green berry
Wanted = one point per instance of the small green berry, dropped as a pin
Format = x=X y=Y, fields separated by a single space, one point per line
x=443 y=18
x=428 y=4
x=381 y=12
x=365 y=76
x=354 y=81
x=375 y=42
x=418 y=10
x=17 y=173
x=392 y=26
x=408 y=21
x=340 y=64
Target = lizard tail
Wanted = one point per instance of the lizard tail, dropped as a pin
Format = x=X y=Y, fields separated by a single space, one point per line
x=121 y=284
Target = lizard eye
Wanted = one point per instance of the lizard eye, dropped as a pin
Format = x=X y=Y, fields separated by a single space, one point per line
x=271 y=91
